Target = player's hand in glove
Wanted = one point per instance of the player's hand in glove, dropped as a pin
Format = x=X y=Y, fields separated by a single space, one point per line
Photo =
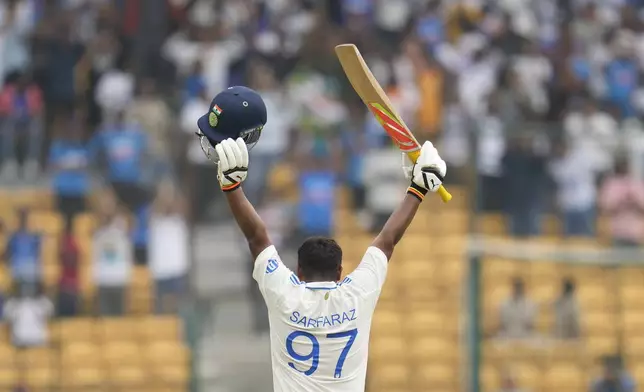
x=428 y=172
x=233 y=163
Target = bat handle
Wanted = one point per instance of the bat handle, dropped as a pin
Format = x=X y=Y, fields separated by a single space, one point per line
x=444 y=194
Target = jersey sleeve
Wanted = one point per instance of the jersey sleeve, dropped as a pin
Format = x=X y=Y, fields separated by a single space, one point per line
x=370 y=275
x=274 y=279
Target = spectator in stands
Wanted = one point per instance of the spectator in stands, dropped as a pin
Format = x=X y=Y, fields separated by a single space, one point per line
x=622 y=199
x=140 y=234
x=575 y=176
x=517 y=314
x=124 y=147
x=614 y=378
x=68 y=283
x=112 y=258
x=28 y=312
x=566 y=307
x=317 y=201
x=152 y=113
x=169 y=248
x=21 y=111
x=267 y=153
x=380 y=180
x=524 y=178
x=115 y=92
x=23 y=252
x=194 y=83
x=199 y=167
x=69 y=163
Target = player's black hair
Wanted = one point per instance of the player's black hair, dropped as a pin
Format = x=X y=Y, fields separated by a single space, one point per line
x=319 y=258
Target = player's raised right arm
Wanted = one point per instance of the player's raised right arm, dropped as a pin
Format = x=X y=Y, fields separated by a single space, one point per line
x=426 y=175
x=232 y=171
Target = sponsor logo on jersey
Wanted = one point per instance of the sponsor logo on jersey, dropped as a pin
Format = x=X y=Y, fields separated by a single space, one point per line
x=272 y=266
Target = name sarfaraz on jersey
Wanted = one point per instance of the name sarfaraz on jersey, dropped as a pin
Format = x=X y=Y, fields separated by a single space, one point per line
x=323 y=321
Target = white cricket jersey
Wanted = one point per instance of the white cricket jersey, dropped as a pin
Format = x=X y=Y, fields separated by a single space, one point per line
x=320 y=331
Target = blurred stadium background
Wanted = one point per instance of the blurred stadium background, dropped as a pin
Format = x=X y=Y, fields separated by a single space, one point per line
x=122 y=269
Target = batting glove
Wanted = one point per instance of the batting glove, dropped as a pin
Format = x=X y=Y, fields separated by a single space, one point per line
x=233 y=163
x=428 y=172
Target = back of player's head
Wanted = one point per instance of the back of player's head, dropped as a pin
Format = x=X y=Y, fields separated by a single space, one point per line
x=319 y=258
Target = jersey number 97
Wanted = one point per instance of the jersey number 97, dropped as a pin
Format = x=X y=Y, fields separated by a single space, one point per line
x=314 y=355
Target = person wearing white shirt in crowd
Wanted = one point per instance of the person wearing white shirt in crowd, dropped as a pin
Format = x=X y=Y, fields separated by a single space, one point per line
x=112 y=258
x=271 y=149
x=202 y=194
x=595 y=132
x=28 y=314
x=168 y=247
x=575 y=177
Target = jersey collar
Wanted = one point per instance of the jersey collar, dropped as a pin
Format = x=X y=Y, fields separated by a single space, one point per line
x=321 y=285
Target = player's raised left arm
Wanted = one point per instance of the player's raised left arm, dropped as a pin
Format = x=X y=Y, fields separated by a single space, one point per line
x=232 y=171
x=426 y=175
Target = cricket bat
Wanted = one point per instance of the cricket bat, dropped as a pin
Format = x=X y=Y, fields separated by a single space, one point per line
x=367 y=87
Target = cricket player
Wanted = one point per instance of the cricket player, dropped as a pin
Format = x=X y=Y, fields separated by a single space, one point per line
x=319 y=323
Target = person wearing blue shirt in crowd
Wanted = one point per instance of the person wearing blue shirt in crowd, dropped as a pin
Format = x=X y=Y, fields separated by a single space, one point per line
x=69 y=162
x=317 y=195
x=123 y=149
x=622 y=77
x=23 y=254
x=140 y=234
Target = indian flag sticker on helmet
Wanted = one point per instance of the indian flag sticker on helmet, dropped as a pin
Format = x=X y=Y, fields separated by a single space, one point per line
x=213 y=117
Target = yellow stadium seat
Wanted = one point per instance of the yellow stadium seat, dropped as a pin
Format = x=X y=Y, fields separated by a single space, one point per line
x=81 y=375
x=490 y=378
x=121 y=352
x=161 y=328
x=595 y=297
x=127 y=376
x=430 y=321
x=46 y=222
x=544 y=292
x=599 y=346
x=435 y=375
x=633 y=323
x=389 y=375
x=121 y=329
x=634 y=346
x=388 y=348
x=386 y=322
x=81 y=353
x=493 y=224
x=41 y=376
x=564 y=376
x=527 y=375
x=171 y=375
x=594 y=324
x=84 y=224
x=633 y=297
x=8 y=377
x=631 y=276
x=433 y=348
x=419 y=271
x=167 y=352
x=453 y=271
x=78 y=329
x=49 y=250
x=43 y=356
x=7 y=355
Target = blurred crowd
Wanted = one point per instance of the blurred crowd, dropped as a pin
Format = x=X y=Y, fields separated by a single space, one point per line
x=539 y=97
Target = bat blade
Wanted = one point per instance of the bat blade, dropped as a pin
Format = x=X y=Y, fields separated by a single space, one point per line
x=374 y=97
